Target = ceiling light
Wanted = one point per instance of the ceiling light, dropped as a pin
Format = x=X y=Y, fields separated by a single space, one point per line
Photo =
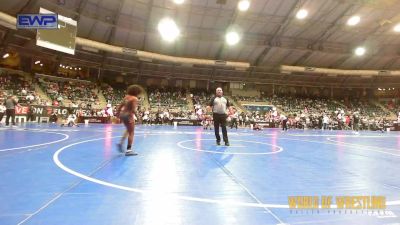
x=37 y=62
x=301 y=14
x=244 y=5
x=168 y=29
x=6 y=55
x=354 y=20
x=179 y=1
x=360 y=51
x=41 y=64
x=79 y=68
x=397 y=28
x=232 y=38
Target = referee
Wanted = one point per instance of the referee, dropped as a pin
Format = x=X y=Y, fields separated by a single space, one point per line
x=219 y=105
x=10 y=104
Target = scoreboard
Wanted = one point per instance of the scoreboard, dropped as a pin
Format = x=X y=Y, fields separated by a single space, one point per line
x=61 y=39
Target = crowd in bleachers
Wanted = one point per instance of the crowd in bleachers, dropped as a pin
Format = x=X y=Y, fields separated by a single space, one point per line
x=163 y=116
x=365 y=108
x=249 y=99
x=317 y=114
x=166 y=104
x=19 y=86
x=200 y=96
x=113 y=96
x=69 y=93
x=171 y=98
x=392 y=105
x=339 y=121
x=292 y=105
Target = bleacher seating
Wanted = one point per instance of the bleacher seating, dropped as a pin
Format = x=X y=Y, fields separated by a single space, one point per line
x=172 y=98
x=168 y=103
x=68 y=92
x=17 y=85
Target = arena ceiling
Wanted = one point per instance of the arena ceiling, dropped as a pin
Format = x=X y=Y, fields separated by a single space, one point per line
x=270 y=35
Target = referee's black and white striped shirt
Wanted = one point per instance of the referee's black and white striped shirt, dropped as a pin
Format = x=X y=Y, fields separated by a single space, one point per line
x=219 y=105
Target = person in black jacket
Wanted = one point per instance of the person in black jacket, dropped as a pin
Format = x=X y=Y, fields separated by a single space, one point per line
x=356 y=122
x=10 y=104
x=30 y=116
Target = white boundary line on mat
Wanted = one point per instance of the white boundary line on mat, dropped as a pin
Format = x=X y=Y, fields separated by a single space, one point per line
x=163 y=194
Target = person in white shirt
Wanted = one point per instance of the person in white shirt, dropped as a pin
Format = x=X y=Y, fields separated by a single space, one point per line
x=2 y=111
x=30 y=98
x=109 y=110
x=70 y=120
x=297 y=121
x=193 y=116
x=145 y=118
x=325 y=121
x=161 y=117
x=340 y=121
x=199 y=113
x=274 y=113
x=166 y=116
x=234 y=122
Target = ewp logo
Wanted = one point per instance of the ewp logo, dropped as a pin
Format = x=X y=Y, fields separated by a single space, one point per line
x=37 y=21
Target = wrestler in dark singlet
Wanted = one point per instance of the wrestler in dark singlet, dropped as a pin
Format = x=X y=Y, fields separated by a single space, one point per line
x=126 y=111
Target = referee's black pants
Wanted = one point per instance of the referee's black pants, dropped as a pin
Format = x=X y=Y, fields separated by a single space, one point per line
x=10 y=113
x=284 y=124
x=220 y=120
